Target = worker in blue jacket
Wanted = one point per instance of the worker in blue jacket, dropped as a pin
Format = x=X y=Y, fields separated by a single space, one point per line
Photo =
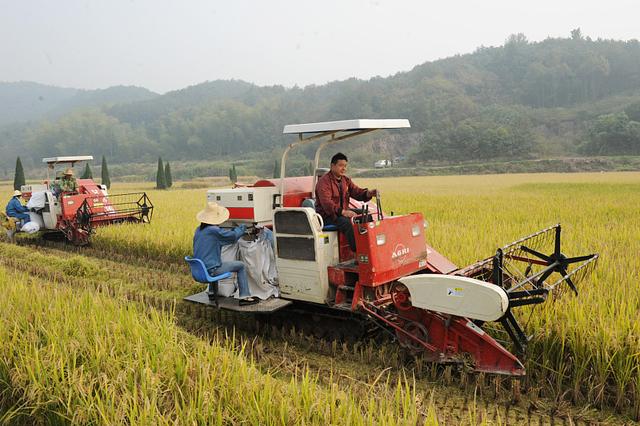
x=16 y=209
x=207 y=246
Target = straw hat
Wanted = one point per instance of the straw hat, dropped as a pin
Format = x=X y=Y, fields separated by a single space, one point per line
x=17 y=193
x=68 y=172
x=213 y=214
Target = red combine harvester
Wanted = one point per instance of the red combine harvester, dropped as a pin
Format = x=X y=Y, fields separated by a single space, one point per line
x=394 y=279
x=76 y=214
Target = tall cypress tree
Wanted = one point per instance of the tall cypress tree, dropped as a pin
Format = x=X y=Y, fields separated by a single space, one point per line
x=276 y=169
x=167 y=175
x=106 y=181
x=18 y=177
x=87 y=174
x=161 y=182
x=233 y=175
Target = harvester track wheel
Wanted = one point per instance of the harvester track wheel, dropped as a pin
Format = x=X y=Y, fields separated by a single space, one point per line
x=400 y=296
x=381 y=291
x=417 y=330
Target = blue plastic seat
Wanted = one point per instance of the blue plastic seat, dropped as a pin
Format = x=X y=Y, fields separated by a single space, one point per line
x=200 y=274
x=330 y=228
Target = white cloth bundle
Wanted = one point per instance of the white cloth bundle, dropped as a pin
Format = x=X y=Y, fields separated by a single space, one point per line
x=36 y=218
x=37 y=200
x=30 y=228
x=260 y=264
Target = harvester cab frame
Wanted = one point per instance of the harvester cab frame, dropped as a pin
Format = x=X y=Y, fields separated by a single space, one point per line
x=53 y=162
x=75 y=215
x=396 y=280
x=332 y=132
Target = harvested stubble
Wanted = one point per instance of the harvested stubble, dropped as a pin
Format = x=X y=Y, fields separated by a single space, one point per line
x=77 y=356
x=282 y=352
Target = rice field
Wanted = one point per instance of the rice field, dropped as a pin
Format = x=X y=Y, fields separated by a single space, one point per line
x=77 y=356
x=584 y=351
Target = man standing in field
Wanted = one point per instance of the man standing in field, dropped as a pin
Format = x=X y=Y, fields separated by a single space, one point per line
x=333 y=191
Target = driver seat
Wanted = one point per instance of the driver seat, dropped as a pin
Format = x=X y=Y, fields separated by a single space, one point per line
x=311 y=204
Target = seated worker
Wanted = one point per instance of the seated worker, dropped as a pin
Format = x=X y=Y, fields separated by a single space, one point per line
x=333 y=191
x=207 y=246
x=16 y=209
x=66 y=184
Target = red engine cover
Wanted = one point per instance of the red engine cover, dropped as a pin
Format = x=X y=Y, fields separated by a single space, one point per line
x=390 y=248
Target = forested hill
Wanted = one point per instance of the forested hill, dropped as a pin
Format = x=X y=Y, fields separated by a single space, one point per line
x=25 y=101
x=520 y=100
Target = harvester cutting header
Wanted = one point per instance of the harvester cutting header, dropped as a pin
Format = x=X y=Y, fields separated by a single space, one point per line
x=394 y=279
x=75 y=207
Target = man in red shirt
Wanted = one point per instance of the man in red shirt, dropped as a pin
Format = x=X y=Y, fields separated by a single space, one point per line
x=333 y=191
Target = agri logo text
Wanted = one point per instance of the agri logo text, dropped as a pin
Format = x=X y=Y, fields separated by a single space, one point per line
x=400 y=252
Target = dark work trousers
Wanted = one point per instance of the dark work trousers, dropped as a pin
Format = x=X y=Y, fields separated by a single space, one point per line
x=344 y=225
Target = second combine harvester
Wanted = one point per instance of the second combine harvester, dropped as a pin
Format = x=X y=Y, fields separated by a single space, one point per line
x=75 y=214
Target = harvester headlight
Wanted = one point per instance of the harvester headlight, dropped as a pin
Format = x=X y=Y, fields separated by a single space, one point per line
x=381 y=239
x=415 y=230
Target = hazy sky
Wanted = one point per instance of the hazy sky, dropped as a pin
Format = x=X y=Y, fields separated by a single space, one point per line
x=167 y=45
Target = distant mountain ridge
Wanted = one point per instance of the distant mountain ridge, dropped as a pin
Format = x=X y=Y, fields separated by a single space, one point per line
x=28 y=101
x=522 y=100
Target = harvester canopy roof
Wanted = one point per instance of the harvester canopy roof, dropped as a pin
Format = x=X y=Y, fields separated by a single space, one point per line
x=51 y=161
x=332 y=132
x=346 y=126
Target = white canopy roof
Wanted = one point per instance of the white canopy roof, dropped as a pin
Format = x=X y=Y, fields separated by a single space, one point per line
x=74 y=159
x=346 y=125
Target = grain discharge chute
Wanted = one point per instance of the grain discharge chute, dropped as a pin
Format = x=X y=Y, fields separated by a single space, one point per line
x=394 y=279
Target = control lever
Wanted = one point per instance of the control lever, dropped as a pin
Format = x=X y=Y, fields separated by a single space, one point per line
x=362 y=228
x=379 y=205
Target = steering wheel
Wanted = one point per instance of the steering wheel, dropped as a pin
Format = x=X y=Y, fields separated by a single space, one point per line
x=362 y=228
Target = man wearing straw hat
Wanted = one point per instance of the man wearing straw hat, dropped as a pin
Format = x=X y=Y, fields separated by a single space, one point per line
x=207 y=246
x=16 y=209
x=66 y=184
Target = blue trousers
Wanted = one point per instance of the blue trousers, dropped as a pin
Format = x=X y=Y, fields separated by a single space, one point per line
x=237 y=267
x=24 y=217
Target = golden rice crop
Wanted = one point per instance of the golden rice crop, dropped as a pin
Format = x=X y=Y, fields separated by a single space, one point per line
x=587 y=348
x=80 y=357
x=589 y=345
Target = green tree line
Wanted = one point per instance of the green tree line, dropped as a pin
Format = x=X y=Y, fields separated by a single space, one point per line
x=498 y=102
